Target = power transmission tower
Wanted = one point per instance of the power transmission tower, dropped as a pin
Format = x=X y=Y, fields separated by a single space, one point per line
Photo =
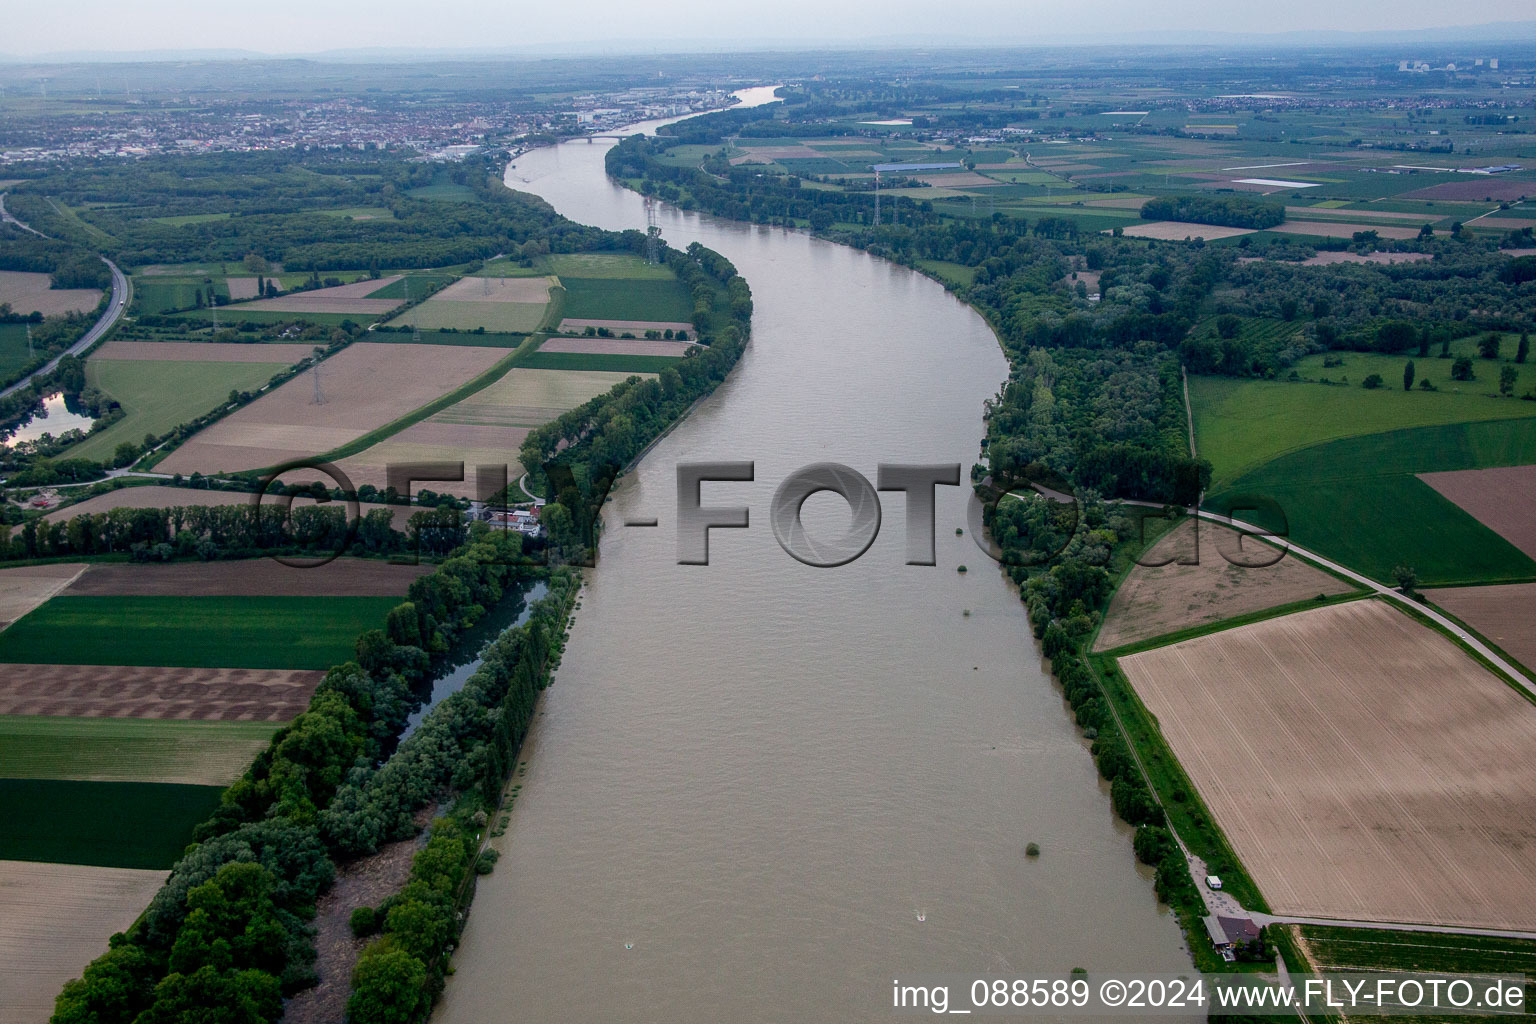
x=877 y=198
x=652 y=234
x=319 y=394
x=29 y=341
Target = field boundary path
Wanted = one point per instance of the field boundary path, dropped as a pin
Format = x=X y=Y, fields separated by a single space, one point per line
x=117 y=305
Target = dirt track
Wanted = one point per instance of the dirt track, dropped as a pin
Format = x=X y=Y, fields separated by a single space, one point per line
x=1362 y=766
x=198 y=694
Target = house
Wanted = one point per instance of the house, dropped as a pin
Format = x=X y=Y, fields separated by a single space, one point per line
x=1228 y=933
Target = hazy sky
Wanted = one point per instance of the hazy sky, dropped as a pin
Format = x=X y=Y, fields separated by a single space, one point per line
x=291 y=26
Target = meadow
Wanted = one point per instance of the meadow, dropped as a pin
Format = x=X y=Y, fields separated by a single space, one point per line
x=157 y=395
x=591 y=361
x=129 y=749
x=200 y=632
x=1359 y=500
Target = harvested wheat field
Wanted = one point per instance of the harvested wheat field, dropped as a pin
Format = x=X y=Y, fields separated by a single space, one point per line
x=1504 y=614
x=23 y=589
x=191 y=694
x=485 y=429
x=1159 y=599
x=1329 y=229
x=496 y=289
x=617 y=346
x=30 y=293
x=1362 y=766
x=344 y=298
x=202 y=352
x=54 y=920
x=1501 y=499
x=1177 y=230
x=573 y=325
x=251 y=577
x=365 y=386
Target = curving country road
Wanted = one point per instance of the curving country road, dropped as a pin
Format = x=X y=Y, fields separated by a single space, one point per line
x=122 y=293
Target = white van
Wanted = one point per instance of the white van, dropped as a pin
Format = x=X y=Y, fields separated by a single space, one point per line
x=1213 y=882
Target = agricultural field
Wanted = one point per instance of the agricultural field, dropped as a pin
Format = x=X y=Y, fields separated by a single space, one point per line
x=194 y=632
x=24 y=588
x=1361 y=765
x=151 y=692
x=1242 y=423
x=1364 y=949
x=617 y=347
x=1330 y=492
x=203 y=753
x=1173 y=230
x=65 y=821
x=1228 y=578
x=357 y=299
x=252 y=577
x=506 y=304
x=54 y=920
x=13 y=349
x=157 y=394
x=1502 y=499
x=621 y=363
x=1504 y=615
x=364 y=386
x=615 y=265
x=203 y=352
x=636 y=328
x=32 y=293
x=485 y=428
x=647 y=299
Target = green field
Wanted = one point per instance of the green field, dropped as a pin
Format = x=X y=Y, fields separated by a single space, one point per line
x=418 y=285
x=1370 y=950
x=467 y=339
x=1242 y=423
x=506 y=268
x=232 y=315
x=957 y=274
x=194 y=632
x=595 y=361
x=626 y=299
x=1358 y=500
x=359 y=212
x=108 y=824
x=191 y=218
x=159 y=294
x=128 y=749
x=13 y=349
x=591 y=265
x=501 y=317
x=157 y=395
x=443 y=192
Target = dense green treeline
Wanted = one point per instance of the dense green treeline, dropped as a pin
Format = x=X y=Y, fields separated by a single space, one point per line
x=276 y=205
x=228 y=934
x=1227 y=211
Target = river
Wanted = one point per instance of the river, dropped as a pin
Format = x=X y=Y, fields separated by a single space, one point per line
x=759 y=791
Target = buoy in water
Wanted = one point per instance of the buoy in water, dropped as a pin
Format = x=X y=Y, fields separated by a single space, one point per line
x=922 y=916
x=629 y=945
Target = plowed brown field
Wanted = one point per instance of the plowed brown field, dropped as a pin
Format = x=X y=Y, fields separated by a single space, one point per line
x=201 y=694
x=1362 y=766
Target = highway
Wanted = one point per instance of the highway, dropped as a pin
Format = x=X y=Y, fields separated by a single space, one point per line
x=117 y=305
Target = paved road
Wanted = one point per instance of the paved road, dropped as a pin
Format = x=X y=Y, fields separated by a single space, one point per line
x=1387 y=927
x=122 y=294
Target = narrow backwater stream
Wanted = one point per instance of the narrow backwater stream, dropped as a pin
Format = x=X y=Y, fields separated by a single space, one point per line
x=759 y=791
